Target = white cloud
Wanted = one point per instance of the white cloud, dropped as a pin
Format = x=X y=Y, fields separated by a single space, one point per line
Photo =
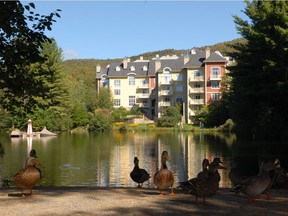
x=70 y=54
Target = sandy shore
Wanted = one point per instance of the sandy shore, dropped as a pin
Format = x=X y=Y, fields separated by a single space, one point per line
x=134 y=201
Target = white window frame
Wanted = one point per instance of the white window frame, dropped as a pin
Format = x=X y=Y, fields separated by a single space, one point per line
x=117 y=83
x=117 y=91
x=215 y=84
x=132 y=100
x=215 y=96
x=117 y=102
x=131 y=80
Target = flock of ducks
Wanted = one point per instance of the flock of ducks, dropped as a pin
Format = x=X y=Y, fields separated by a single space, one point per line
x=206 y=183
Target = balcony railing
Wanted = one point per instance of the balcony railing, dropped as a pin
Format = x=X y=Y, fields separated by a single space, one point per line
x=215 y=77
x=143 y=95
x=166 y=82
x=166 y=92
x=143 y=105
x=165 y=103
x=196 y=78
x=196 y=101
x=143 y=86
x=196 y=90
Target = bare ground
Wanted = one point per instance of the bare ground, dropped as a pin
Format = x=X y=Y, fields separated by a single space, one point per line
x=134 y=201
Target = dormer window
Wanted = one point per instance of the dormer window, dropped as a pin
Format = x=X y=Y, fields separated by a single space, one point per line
x=144 y=68
x=132 y=68
x=117 y=68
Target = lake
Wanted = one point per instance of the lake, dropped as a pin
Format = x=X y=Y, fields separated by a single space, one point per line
x=106 y=159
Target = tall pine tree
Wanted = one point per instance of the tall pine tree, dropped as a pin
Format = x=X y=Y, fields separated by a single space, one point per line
x=259 y=88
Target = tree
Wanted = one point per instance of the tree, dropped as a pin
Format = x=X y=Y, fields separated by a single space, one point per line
x=20 y=46
x=104 y=99
x=259 y=86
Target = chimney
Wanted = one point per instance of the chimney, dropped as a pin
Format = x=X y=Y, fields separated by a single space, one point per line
x=186 y=58
x=157 y=56
x=157 y=65
x=98 y=68
x=125 y=63
x=207 y=52
x=141 y=58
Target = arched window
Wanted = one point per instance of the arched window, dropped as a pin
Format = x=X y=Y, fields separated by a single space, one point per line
x=118 y=68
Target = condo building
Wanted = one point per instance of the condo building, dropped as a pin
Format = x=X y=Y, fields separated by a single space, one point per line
x=193 y=79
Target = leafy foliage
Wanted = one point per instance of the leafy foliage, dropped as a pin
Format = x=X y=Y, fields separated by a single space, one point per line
x=259 y=84
x=171 y=117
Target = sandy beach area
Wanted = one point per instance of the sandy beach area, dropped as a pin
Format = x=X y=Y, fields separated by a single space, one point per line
x=134 y=201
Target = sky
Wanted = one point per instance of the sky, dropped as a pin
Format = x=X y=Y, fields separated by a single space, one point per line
x=119 y=29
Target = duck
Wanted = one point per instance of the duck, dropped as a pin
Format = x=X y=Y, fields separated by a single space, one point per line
x=217 y=162
x=185 y=185
x=27 y=178
x=253 y=186
x=163 y=178
x=235 y=175
x=280 y=176
x=139 y=175
x=206 y=187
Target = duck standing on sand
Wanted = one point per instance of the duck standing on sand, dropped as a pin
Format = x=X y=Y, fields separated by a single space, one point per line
x=27 y=178
x=139 y=175
x=206 y=187
x=164 y=178
x=255 y=185
x=204 y=174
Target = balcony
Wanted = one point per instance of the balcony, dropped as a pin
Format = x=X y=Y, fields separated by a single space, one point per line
x=143 y=105
x=196 y=78
x=165 y=103
x=215 y=77
x=166 y=92
x=165 y=82
x=196 y=102
x=143 y=95
x=143 y=86
x=196 y=90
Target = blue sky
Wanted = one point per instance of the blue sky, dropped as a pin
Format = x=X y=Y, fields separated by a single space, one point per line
x=118 y=29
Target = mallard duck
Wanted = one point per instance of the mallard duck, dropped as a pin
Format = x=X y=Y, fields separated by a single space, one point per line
x=185 y=185
x=255 y=185
x=280 y=177
x=139 y=175
x=27 y=178
x=235 y=175
x=217 y=162
x=164 y=178
x=206 y=187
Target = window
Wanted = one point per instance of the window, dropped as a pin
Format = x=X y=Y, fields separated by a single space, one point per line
x=144 y=68
x=197 y=85
x=167 y=99
x=197 y=97
x=105 y=82
x=131 y=100
x=145 y=91
x=215 y=72
x=215 y=85
x=179 y=77
x=166 y=78
x=131 y=80
x=117 y=102
x=117 y=68
x=117 y=83
x=179 y=100
x=215 y=96
x=179 y=88
x=132 y=68
x=117 y=91
x=198 y=73
x=166 y=88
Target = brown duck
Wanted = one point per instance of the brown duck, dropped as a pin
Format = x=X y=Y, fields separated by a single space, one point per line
x=27 y=178
x=206 y=187
x=164 y=178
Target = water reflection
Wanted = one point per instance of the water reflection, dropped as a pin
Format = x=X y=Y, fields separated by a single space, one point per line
x=106 y=159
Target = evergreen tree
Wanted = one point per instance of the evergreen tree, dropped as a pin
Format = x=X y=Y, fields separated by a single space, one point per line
x=259 y=86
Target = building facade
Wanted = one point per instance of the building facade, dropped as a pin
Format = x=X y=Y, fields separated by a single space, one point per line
x=193 y=79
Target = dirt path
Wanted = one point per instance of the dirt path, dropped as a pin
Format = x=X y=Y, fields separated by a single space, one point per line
x=134 y=201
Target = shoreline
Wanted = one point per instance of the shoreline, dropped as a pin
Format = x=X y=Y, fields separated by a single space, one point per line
x=134 y=201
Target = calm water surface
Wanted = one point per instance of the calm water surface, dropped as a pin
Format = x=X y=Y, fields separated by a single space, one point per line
x=106 y=159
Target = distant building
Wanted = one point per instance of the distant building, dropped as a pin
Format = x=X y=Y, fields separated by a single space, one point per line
x=194 y=79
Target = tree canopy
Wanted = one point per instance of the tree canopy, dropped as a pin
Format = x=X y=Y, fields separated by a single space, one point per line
x=259 y=86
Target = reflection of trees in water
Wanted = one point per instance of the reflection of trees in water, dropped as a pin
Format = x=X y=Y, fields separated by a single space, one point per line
x=1 y=150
